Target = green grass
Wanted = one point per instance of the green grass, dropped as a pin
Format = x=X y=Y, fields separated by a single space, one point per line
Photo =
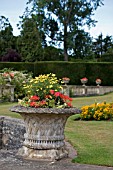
x=93 y=140
x=5 y=110
x=81 y=101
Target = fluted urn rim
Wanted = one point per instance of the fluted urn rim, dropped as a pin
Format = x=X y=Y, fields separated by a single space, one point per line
x=22 y=109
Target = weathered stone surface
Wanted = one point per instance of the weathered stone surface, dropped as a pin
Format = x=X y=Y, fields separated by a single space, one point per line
x=22 y=109
x=11 y=133
x=44 y=137
x=7 y=90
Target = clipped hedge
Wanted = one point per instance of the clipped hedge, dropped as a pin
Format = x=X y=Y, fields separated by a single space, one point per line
x=75 y=71
x=19 y=66
x=62 y=69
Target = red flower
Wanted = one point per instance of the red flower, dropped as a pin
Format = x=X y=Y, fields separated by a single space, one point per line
x=42 y=103
x=33 y=104
x=57 y=94
x=65 y=97
x=65 y=78
x=48 y=96
x=34 y=98
x=52 y=91
x=69 y=104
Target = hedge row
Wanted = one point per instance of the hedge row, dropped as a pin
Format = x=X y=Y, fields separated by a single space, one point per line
x=75 y=71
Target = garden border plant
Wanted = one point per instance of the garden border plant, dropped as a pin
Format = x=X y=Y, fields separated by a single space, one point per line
x=97 y=111
x=16 y=78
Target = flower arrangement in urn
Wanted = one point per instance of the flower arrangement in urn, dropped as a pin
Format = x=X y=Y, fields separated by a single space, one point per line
x=98 y=81
x=65 y=80
x=44 y=92
x=84 y=80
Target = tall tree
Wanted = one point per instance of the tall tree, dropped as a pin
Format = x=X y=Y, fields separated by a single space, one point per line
x=108 y=43
x=29 y=42
x=62 y=17
x=83 y=45
x=102 y=45
x=6 y=35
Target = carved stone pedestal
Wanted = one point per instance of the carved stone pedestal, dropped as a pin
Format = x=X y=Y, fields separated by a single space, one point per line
x=44 y=137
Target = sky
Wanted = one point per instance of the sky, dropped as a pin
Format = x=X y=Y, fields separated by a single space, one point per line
x=12 y=9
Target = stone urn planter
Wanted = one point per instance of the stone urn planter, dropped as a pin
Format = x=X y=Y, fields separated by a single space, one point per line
x=98 y=82
x=84 y=81
x=44 y=137
x=65 y=80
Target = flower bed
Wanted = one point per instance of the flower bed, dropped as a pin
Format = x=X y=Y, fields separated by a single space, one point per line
x=97 y=111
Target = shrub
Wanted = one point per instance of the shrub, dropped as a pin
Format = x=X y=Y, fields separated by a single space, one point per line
x=16 y=78
x=11 y=56
x=97 y=111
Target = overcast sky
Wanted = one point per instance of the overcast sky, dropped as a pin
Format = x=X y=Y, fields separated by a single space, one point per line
x=12 y=9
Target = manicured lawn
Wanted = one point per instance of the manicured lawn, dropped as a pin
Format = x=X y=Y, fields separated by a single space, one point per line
x=93 y=140
x=81 y=101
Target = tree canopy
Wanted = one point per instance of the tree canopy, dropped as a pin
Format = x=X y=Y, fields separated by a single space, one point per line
x=60 y=19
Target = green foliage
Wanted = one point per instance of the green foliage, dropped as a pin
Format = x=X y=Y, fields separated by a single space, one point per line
x=101 y=46
x=107 y=58
x=42 y=85
x=82 y=46
x=2 y=80
x=19 y=66
x=61 y=19
x=6 y=35
x=62 y=69
x=29 y=43
x=51 y=53
x=74 y=70
x=16 y=78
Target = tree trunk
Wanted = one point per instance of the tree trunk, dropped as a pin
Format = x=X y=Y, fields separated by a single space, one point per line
x=65 y=43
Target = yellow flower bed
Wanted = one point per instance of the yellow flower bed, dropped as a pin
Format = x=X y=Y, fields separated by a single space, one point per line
x=97 y=111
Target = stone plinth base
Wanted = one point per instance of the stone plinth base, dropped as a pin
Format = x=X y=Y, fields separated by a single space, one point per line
x=49 y=154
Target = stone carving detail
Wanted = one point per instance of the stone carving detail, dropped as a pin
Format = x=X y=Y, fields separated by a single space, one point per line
x=43 y=131
x=44 y=137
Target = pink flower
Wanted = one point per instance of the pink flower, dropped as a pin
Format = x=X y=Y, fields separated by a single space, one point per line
x=57 y=94
x=84 y=78
x=11 y=75
x=5 y=74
